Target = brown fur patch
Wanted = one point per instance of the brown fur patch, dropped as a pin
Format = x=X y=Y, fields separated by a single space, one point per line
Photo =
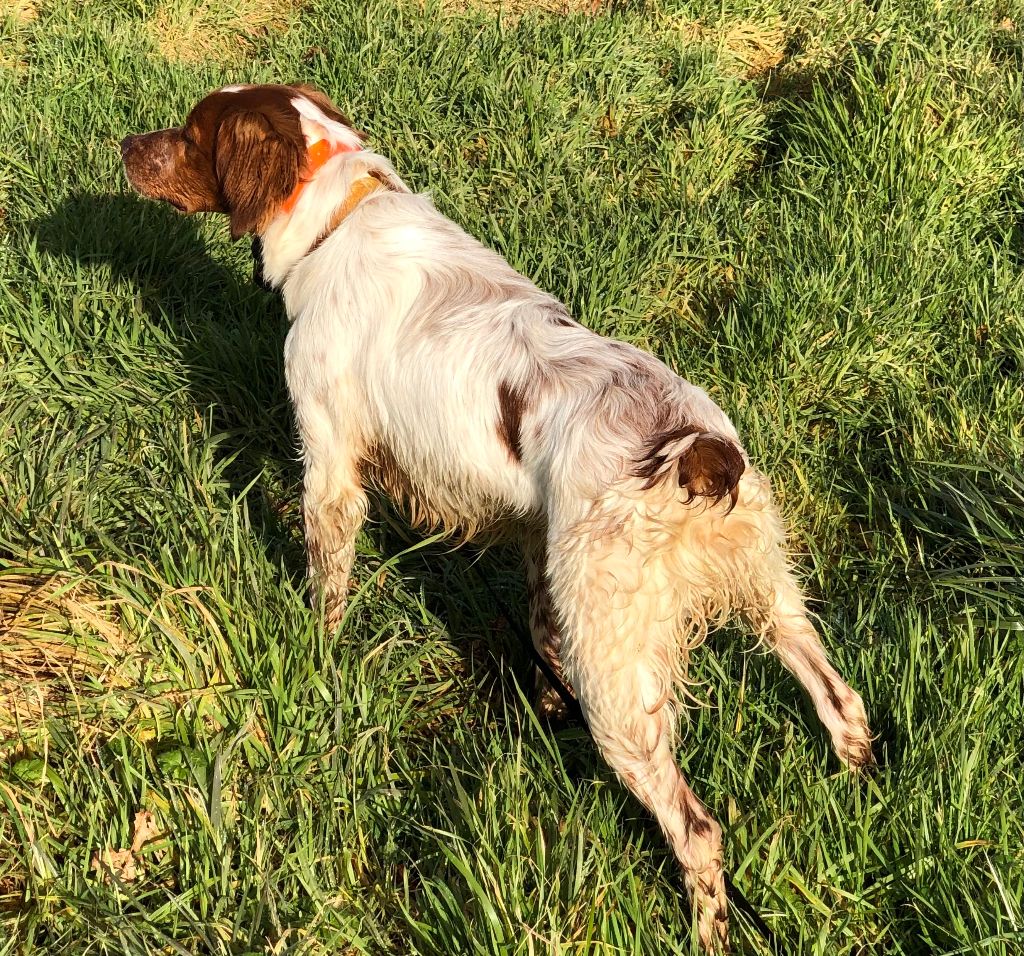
x=694 y=818
x=652 y=462
x=511 y=405
x=830 y=687
x=560 y=317
x=710 y=467
x=260 y=153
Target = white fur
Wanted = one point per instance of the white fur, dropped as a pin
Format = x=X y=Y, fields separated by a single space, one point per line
x=405 y=333
x=317 y=125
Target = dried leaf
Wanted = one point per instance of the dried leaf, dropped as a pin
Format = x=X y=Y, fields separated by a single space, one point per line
x=143 y=830
x=114 y=864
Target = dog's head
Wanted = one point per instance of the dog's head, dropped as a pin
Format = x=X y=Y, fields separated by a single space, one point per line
x=242 y=151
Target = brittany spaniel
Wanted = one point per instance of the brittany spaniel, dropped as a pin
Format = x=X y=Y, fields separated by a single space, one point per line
x=420 y=363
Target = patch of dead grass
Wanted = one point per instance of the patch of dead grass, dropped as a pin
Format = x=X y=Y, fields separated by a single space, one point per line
x=66 y=644
x=20 y=10
x=15 y=16
x=222 y=31
x=516 y=8
x=56 y=633
x=746 y=47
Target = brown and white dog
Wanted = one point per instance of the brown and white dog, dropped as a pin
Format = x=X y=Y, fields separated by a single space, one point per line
x=420 y=363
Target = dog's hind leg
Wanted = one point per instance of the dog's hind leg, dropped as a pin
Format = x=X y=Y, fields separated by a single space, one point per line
x=620 y=650
x=776 y=610
x=544 y=628
x=791 y=635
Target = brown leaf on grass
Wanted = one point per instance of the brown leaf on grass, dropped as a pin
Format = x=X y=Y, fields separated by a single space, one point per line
x=114 y=865
x=144 y=830
x=607 y=123
x=122 y=864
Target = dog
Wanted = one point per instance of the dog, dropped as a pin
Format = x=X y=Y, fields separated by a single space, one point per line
x=421 y=364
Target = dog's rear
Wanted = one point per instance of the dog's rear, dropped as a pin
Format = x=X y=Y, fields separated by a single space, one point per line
x=696 y=540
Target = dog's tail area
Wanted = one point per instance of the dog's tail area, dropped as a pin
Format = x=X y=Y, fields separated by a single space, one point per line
x=705 y=463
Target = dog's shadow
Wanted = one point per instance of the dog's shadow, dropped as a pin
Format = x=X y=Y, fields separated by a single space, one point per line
x=227 y=334
x=230 y=335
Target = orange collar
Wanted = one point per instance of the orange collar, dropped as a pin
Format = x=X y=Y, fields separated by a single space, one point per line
x=317 y=154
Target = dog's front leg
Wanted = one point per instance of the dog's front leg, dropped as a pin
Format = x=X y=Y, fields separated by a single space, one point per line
x=333 y=507
x=543 y=627
x=330 y=421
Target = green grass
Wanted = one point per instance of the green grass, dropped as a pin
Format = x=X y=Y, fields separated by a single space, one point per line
x=815 y=211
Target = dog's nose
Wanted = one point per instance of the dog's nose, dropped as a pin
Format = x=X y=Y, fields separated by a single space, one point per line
x=126 y=145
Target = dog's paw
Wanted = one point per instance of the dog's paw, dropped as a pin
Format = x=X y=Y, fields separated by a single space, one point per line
x=853 y=738
x=855 y=751
x=712 y=909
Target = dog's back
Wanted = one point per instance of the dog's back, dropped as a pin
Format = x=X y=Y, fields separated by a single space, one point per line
x=481 y=384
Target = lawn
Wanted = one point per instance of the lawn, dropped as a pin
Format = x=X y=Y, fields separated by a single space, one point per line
x=813 y=210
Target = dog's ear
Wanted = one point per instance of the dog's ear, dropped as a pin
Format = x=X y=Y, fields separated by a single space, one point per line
x=258 y=162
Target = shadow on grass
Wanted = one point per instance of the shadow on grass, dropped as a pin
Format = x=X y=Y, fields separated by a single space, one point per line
x=229 y=336
x=791 y=88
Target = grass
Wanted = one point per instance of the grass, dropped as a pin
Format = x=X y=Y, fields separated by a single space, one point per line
x=815 y=211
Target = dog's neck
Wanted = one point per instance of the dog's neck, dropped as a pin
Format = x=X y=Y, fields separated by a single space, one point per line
x=318 y=154
x=322 y=203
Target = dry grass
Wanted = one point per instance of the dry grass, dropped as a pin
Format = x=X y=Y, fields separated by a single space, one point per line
x=516 y=8
x=198 y=31
x=15 y=17
x=23 y=10
x=56 y=636
x=67 y=644
x=745 y=47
